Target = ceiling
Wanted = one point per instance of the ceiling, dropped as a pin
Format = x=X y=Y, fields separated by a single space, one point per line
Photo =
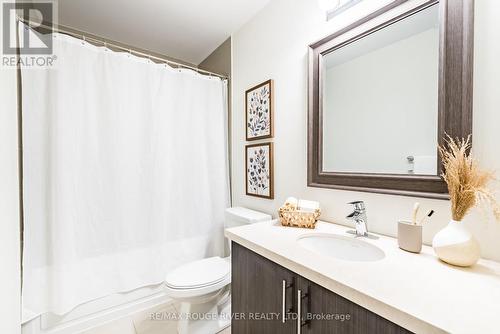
x=188 y=30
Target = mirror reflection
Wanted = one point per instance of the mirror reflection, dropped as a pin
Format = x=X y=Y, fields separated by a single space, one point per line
x=380 y=100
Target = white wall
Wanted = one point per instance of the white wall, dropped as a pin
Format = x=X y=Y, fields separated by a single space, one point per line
x=10 y=293
x=274 y=45
x=388 y=93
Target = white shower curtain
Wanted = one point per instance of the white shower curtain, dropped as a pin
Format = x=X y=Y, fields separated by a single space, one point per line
x=125 y=173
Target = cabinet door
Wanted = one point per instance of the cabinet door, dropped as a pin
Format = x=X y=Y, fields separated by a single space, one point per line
x=257 y=294
x=327 y=312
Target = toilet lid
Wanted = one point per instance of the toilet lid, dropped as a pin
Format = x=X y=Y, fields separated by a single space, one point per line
x=199 y=273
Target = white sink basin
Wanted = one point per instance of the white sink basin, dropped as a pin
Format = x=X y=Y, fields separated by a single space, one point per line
x=341 y=247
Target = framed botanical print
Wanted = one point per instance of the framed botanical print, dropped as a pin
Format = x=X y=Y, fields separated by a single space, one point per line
x=259 y=170
x=259 y=111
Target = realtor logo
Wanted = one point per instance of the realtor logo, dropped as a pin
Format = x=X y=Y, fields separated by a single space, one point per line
x=32 y=40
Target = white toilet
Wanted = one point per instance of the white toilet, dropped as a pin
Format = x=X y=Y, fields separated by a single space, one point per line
x=203 y=287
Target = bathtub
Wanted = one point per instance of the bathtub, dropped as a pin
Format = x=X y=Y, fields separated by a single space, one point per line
x=94 y=314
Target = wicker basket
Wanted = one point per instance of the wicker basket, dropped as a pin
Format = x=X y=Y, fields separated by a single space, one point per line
x=291 y=216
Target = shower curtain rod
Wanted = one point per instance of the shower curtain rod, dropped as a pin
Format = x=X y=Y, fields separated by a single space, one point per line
x=128 y=49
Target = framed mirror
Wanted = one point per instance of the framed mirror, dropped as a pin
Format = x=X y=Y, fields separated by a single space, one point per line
x=384 y=93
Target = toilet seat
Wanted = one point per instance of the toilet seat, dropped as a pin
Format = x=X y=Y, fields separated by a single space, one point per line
x=196 y=275
x=185 y=294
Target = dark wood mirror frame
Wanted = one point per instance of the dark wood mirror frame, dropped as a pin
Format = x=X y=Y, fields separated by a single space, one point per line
x=454 y=100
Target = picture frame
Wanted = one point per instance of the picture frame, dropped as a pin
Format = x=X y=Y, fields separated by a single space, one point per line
x=259 y=170
x=259 y=111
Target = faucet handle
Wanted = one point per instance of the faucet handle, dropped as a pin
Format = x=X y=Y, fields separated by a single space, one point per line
x=358 y=205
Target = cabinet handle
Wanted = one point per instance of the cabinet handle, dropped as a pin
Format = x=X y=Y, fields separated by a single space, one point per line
x=283 y=302
x=300 y=323
x=285 y=286
x=299 y=311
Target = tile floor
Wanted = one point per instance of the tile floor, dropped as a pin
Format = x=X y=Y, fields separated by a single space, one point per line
x=226 y=331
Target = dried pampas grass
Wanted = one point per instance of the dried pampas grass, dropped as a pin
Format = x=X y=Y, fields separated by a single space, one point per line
x=467 y=182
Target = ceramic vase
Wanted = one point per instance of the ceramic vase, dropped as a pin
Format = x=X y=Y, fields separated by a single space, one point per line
x=455 y=245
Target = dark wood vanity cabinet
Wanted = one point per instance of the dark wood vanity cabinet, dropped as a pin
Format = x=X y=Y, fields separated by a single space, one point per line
x=256 y=299
x=261 y=289
x=320 y=301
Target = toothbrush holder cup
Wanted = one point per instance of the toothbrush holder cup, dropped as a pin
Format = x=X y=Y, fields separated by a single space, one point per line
x=410 y=236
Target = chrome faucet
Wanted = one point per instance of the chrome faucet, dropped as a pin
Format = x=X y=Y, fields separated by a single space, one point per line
x=358 y=216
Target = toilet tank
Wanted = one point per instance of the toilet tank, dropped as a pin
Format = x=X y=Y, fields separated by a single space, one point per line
x=238 y=216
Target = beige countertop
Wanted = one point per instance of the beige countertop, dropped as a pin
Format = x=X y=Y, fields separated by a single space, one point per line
x=415 y=291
